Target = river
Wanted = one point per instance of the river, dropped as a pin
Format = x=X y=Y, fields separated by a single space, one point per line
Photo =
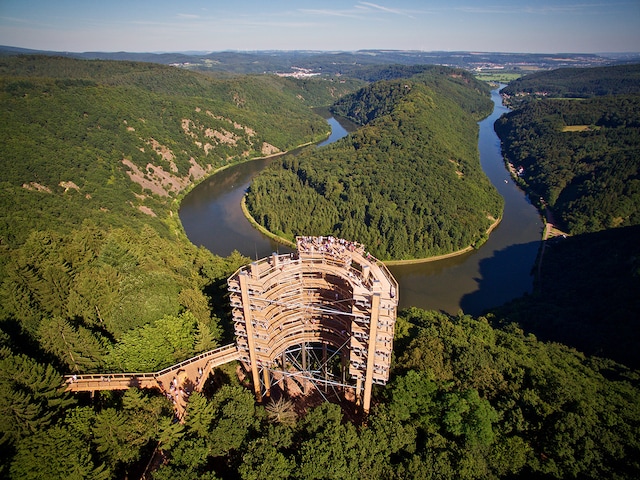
x=474 y=282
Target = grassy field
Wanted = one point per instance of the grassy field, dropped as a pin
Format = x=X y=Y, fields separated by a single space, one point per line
x=502 y=77
x=579 y=128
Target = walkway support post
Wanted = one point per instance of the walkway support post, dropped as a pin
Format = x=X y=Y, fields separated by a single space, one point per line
x=246 y=308
x=371 y=354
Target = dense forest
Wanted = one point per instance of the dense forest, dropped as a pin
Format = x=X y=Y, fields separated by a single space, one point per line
x=408 y=184
x=92 y=282
x=465 y=401
x=574 y=83
x=97 y=274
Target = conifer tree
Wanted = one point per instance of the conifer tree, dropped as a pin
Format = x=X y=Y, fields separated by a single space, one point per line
x=31 y=396
x=55 y=453
x=74 y=347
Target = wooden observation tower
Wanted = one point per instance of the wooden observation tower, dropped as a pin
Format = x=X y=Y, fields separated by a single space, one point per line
x=323 y=315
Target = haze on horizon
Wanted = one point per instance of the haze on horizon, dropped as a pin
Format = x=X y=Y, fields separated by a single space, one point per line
x=526 y=26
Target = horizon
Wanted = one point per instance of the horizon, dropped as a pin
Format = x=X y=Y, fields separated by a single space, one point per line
x=259 y=51
x=161 y=26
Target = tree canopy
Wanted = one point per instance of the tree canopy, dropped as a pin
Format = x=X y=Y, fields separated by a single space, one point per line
x=581 y=157
x=465 y=401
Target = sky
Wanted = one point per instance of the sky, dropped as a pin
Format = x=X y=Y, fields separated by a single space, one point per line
x=525 y=26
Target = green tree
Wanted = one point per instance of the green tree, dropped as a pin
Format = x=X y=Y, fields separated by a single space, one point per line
x=263 y=459
x=150 y=348
x=55 y=453
x=121 y=434
x=330 y=449
x=115 y=439
x=75 y=347
x=215 y=428
x=32 y=396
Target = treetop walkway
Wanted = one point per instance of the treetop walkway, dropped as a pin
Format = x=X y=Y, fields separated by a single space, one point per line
x=176 y=382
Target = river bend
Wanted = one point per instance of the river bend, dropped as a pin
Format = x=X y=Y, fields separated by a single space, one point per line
x=474 y=282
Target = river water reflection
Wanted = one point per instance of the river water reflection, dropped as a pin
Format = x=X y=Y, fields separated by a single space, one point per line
x=474 y=282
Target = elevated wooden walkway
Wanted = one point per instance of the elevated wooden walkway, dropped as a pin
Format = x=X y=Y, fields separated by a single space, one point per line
x=176 y=382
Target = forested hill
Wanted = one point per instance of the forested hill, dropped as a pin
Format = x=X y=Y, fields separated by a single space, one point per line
x=581 y=157
x=575 y=83
x=116 y=141
x=408 y=184
x=457 y=85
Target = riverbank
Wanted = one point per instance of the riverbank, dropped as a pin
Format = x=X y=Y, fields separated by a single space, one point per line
x=204 y=178
x=260 y=228
x=435 y=258
x=173 y=220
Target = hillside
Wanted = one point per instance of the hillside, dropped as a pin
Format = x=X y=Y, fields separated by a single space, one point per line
x=116 y=141
x=580 y=157
x=96 y=272
x=95 y=156
x=586 y=295
x=408 y=184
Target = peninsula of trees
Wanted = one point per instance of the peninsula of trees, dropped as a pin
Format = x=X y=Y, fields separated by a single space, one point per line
x=407 y=184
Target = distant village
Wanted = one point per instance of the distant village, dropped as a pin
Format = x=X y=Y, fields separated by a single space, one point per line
x=299 y=72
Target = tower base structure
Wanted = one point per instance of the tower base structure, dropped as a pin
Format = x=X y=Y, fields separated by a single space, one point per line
x=324 y=315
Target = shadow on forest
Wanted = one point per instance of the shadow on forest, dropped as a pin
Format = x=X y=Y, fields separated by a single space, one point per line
x=587 y=297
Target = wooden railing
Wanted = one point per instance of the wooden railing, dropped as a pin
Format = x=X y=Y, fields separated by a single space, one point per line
x=121 y=381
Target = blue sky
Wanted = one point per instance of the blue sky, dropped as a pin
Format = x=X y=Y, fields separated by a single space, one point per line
x=542 y=26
